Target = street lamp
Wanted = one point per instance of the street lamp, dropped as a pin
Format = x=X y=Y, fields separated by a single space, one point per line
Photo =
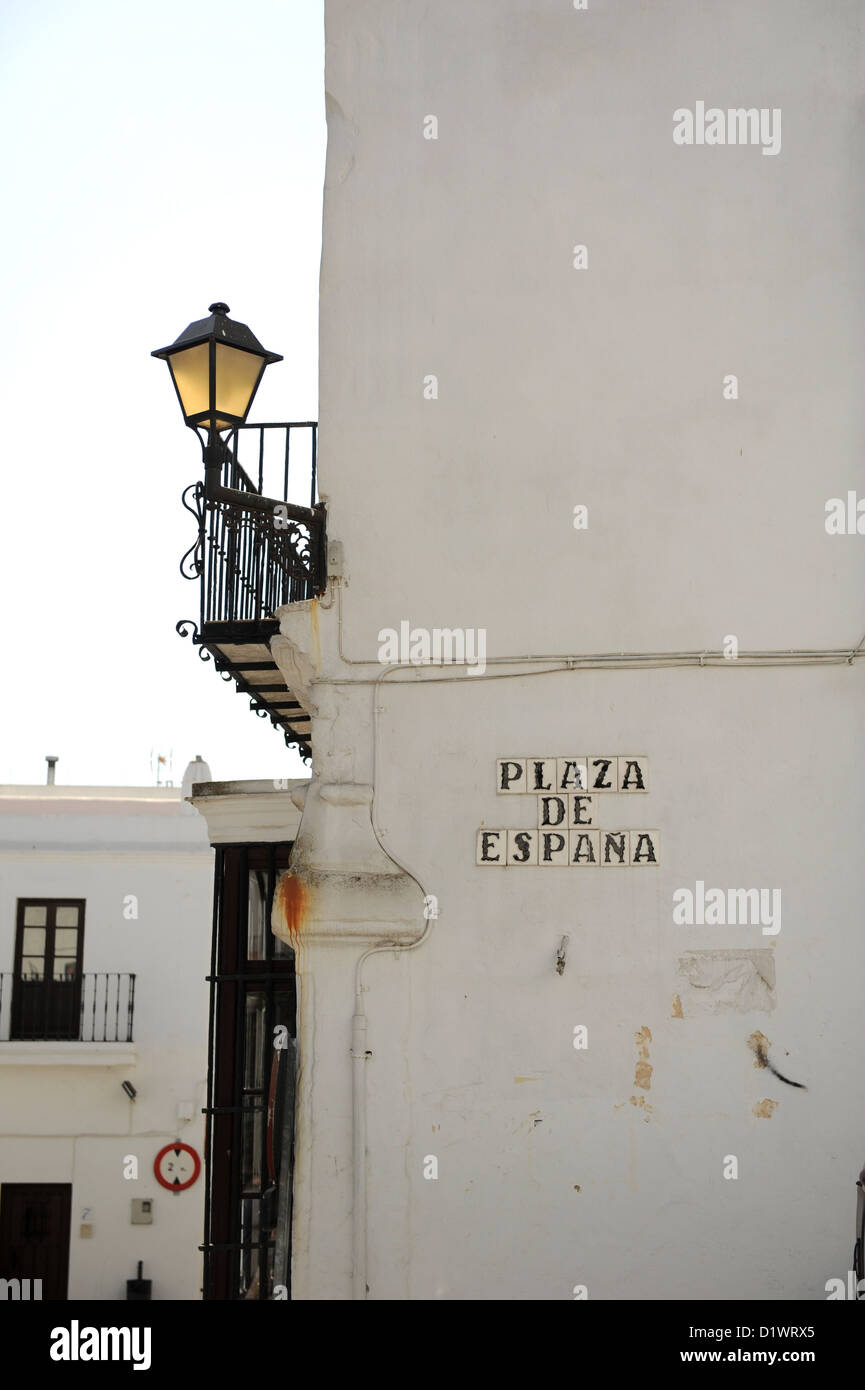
x=252 y=553
x=216 y=365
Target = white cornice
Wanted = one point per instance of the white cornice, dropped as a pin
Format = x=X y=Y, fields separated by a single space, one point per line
x=239 y=816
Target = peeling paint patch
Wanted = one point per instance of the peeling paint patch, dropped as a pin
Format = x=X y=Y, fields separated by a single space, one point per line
x=763 y=1109
x=677 y=1007
x=642 y=1073
x=644 y=1069
x=759 y=1045
x=717 y=982
x=642 y=1104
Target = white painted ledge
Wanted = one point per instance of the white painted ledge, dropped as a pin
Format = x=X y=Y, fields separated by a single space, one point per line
x=67 y=1054
x=250 y=812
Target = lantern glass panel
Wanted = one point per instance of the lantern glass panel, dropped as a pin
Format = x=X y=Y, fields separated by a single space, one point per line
x=191 y=371
x=237 y=375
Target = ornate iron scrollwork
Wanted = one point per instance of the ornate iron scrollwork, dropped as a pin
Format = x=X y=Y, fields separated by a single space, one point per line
x=193 y=561
x=297 y=540
x=181 y=628
x=293 y=740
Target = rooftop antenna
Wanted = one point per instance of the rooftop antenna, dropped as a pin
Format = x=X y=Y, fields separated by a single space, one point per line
x=160 y=764
x=52 y=760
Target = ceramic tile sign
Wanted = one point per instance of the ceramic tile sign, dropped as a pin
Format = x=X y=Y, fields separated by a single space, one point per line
x=568 y=794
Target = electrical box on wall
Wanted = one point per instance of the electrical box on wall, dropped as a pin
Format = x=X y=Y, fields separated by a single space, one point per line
x=142 y=1211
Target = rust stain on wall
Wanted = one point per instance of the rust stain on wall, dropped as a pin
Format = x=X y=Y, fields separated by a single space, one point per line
x=677 y=1007
x=292 y=898
x=763 y=1109
x=644 y=1069
x=313 y=622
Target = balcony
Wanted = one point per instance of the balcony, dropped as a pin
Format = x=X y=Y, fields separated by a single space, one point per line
x=253 y=554
x=85 y=1008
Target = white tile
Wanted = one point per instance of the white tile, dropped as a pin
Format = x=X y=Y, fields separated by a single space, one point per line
x=584 y=848
x=582 y=810
x=553 y=848
x=541 y=774
x=552 y=812
x=603 y=772
x=613 y=844
x=523 y=846
x=645 y=848
x=511 y=776
x=633 y=773
x=491 y=847
x=571 y=774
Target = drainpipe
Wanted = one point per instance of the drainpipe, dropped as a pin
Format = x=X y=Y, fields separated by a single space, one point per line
x=52 y=761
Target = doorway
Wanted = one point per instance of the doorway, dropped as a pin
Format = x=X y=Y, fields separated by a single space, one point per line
x=34 y=1235
x=251 y=1082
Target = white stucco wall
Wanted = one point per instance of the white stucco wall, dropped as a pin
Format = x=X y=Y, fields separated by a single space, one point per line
x=67 y=1122
x=601 y=387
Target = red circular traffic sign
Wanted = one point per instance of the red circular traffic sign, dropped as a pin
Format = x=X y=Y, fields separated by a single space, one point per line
x=177 y=1166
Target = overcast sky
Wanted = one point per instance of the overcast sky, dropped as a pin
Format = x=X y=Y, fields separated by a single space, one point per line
x=155 y=157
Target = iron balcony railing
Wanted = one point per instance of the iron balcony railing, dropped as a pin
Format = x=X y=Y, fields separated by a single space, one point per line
x=84 y=1008
x=260 y=545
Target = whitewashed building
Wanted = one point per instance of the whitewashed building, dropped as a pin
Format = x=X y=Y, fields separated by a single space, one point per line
x=574 y=897
x=105 y=923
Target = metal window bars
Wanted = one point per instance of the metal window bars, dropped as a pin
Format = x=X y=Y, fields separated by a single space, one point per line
x=92 y=1007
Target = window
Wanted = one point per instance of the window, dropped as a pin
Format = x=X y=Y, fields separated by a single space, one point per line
x=46 y=990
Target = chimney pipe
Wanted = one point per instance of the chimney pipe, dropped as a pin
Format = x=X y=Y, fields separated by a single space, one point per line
x=51 y=760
